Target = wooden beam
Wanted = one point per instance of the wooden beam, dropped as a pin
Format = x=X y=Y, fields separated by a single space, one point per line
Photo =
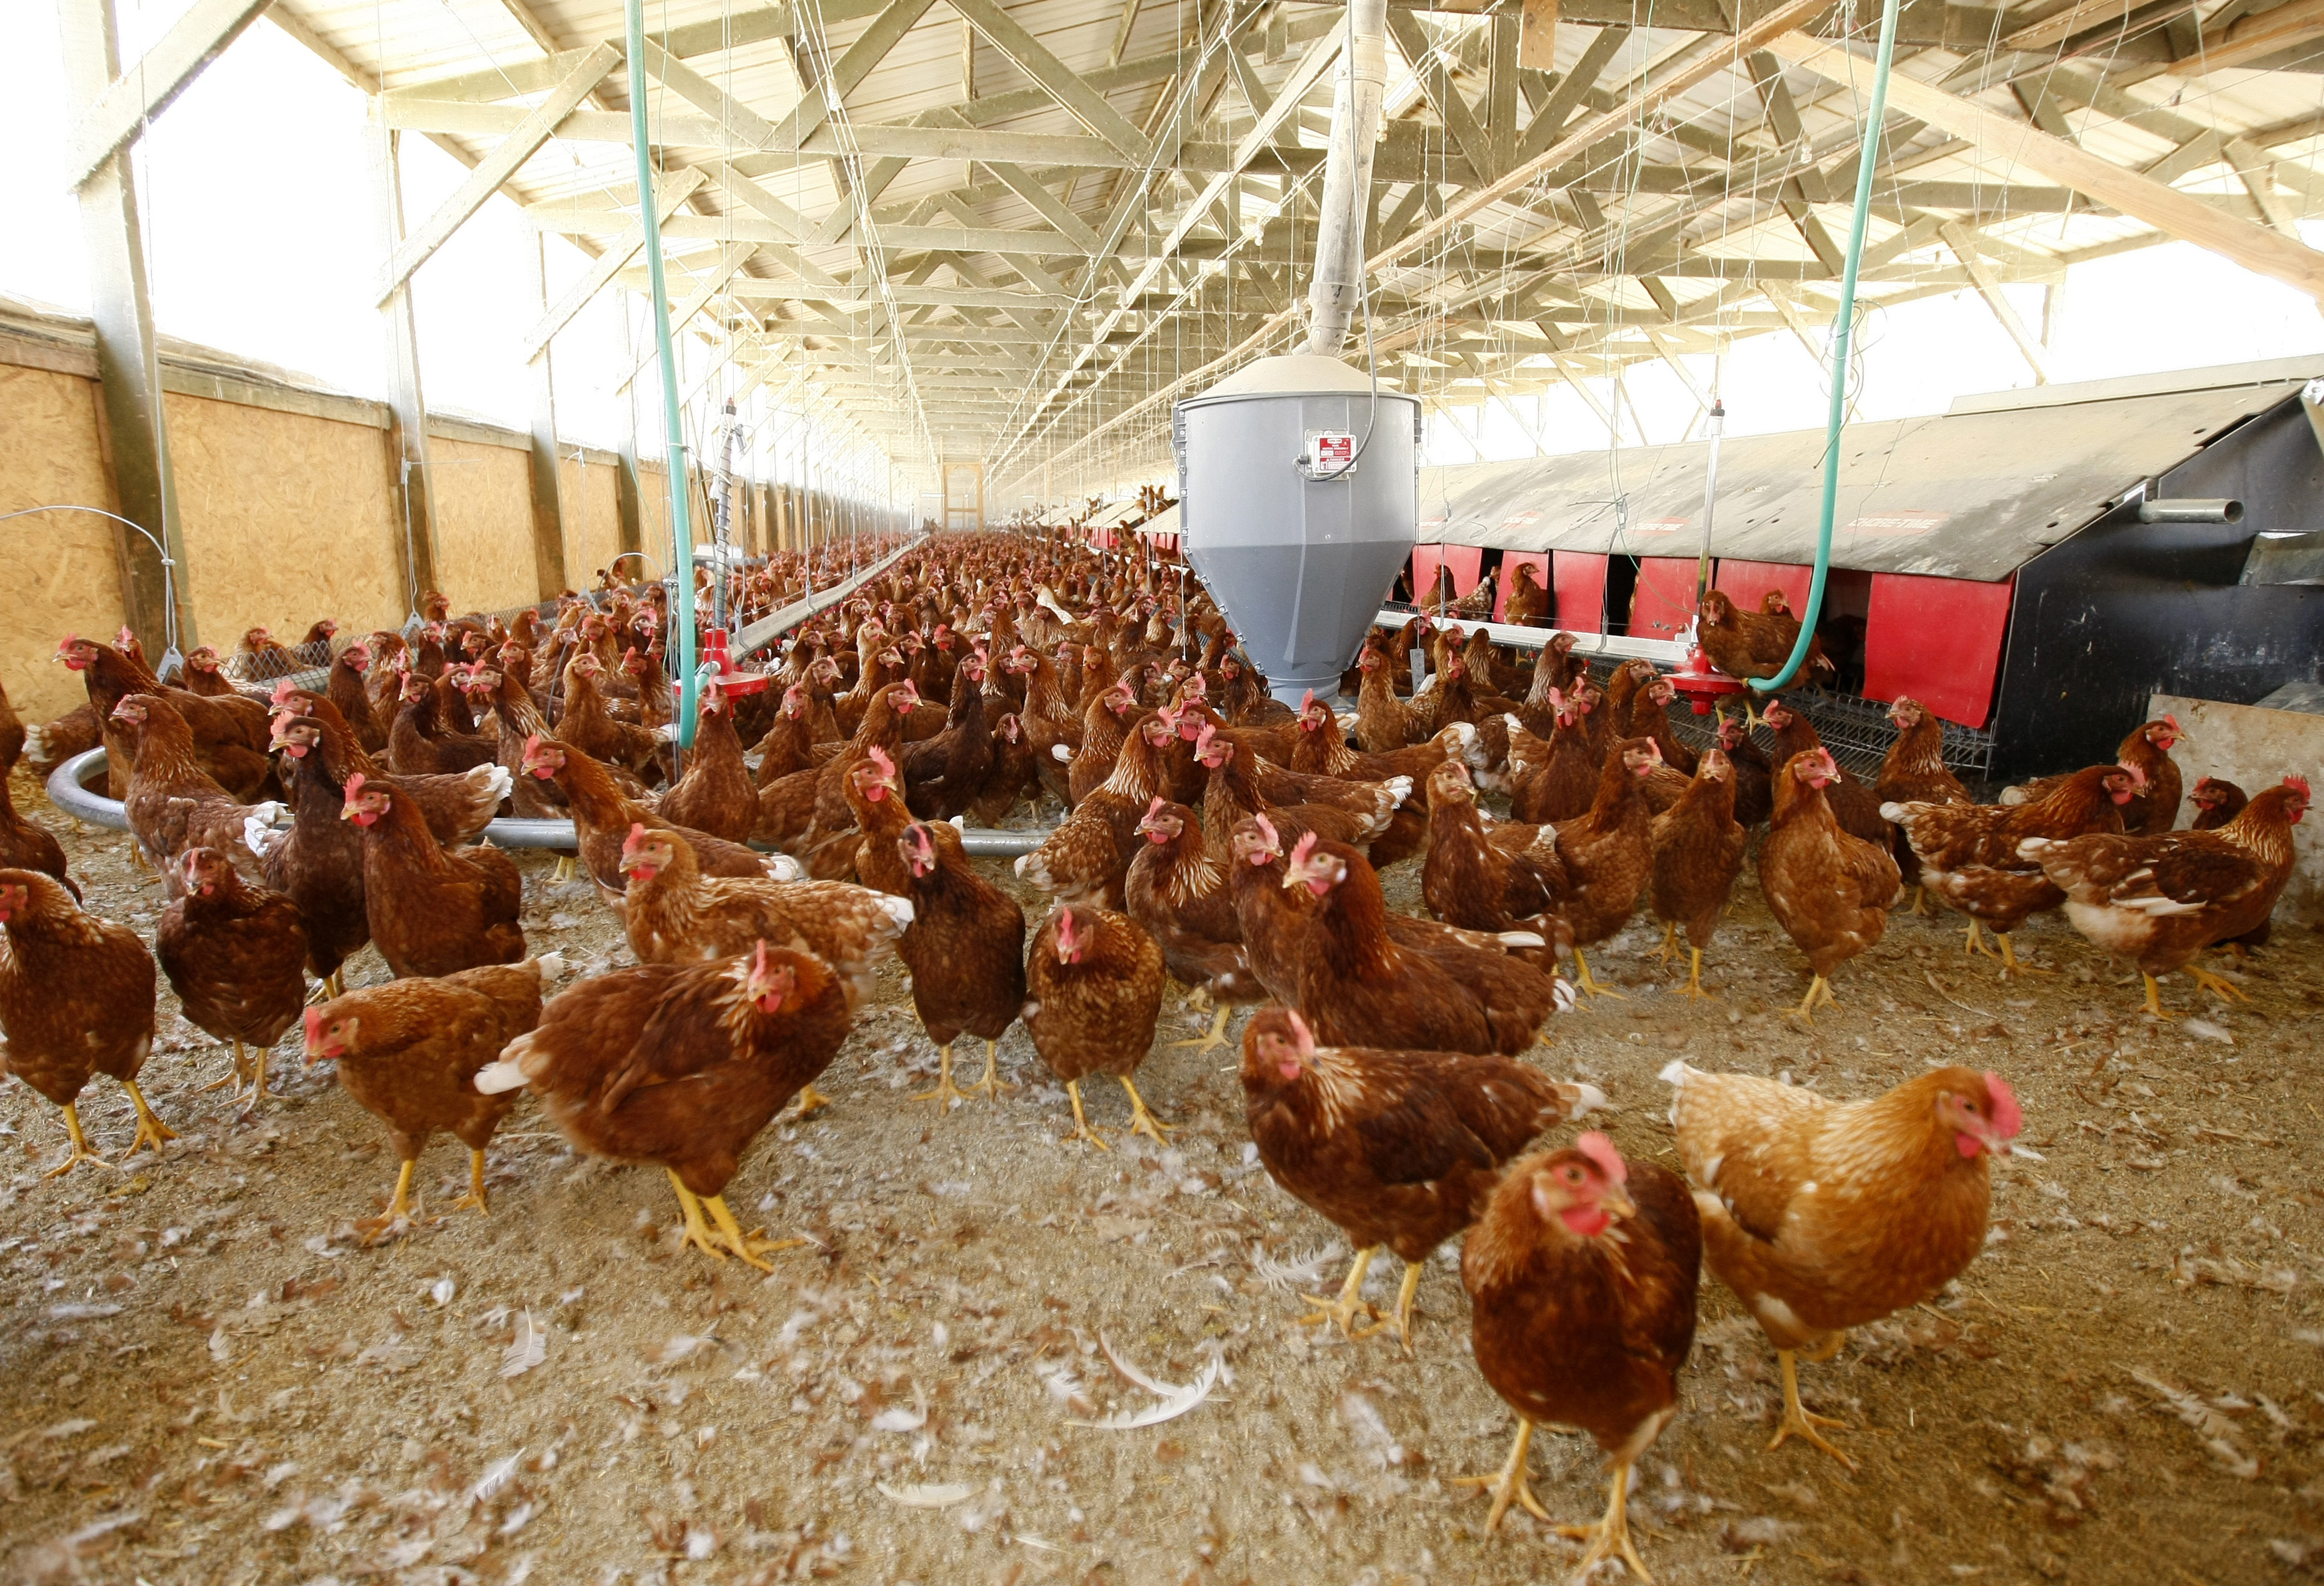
x=2014 y=145
x=411 y=482
x=870 y=47
x=1570 y=90
x=135 y=97
x=1988 y=287
x=136 y=444
x=547 y=480
x=607 y=265
x=1085 y=103
x=2254 y=36
x=1421 y=54
x=1645 y=99
x=497 y=167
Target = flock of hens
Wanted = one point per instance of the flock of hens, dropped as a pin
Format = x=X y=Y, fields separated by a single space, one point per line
x=1216 y=838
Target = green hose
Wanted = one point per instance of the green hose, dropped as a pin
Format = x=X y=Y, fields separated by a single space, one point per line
x=1867 y=158
x=681 y=619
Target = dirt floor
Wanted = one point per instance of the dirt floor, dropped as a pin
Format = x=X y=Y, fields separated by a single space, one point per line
x=204 y=1376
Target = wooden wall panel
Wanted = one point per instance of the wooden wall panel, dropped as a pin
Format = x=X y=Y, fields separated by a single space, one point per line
x=286 y=518
x=59 y=568
x=483 y=524
x=653 y=522
x=593 y=523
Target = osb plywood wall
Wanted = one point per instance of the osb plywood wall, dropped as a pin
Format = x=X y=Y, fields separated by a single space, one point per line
x=483 y=524
x=286 y=518
x=593 y=519
x=653 y=520
x=60 y=569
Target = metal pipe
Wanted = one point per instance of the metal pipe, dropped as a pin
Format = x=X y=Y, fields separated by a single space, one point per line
x=674 y=433
x=2190 y=511
x=1710 y=500
x=1356 y=96
x=68 y=794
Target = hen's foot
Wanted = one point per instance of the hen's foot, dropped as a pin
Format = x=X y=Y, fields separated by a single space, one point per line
x=1610 y=1537
x=151 y=1130
x=1341 y=1313
x=1819 y=991
x=697 y=1231
x=2011 y=963
x=1217 y=1037
x=258 y=1091
x=1798 y=1421
x=2219 y=986
x=946 y=1095
x=1143 y=1121
x=810 y=1100
x=748 y=1245
x=1693 y=988
x=1401 y=1319
x=397 y=1213
x=1508 y=1487
x=1082 y=1129
x=1588 y=982
x=2154 y=1009
x=475 y=1195
x=1921 y=904
x=80 y=1151
x=991 y=1084
x=1669 y=949
x=1199 y=998
x=1974 y=942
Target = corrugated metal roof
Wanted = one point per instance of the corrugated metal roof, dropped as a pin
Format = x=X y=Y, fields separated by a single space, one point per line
x=1973 y=493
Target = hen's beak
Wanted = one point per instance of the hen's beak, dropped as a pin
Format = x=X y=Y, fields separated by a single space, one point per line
x=1616 y=1202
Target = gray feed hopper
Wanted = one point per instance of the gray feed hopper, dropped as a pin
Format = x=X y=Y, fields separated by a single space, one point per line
x=1298 y=548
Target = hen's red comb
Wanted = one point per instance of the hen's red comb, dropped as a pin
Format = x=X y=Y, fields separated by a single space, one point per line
x=2296 y=782
x=1304 y=849
x=636 y=835
x=1600 y=1150
x=2008 y=1118
x=314 y=1027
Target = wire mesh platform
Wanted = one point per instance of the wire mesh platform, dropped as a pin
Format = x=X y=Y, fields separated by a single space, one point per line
x=1856 y=730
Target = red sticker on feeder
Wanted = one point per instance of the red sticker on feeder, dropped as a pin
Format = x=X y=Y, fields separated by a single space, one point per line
x=1701 y=684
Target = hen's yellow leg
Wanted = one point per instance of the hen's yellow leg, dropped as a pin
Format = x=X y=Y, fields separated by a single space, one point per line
x=1143 y=1121
x=1693 y=987
x=1819 y=990
x=1588 y=982
x=1669 y=949
x=1342 y=1311
x=2218 y=985
x=233 y=1076
x=80 y=1151
x=475 y=1195
x=1796 y=1418
x=151 y=1130
x=1217 y=1037
x=697 y=1231
x=2010 y=963
x=945 y=1094
x=1975 y=940
x=2155 y=1008
x=1610 y=1536
x=748 y=1246
x=810 y=1100
x=1921 y=904
x=1508 y=1487
x=1402 y=1320
x=258 y=1080
x=991 y=1084
x=1082 y=1131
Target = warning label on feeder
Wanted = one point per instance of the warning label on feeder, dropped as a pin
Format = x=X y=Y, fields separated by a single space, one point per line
x=1330 y=452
